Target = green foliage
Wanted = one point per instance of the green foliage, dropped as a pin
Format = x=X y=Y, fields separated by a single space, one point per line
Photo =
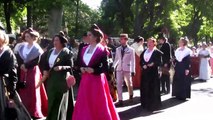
x=85 y=18
x=117 y=16
x=191 y=18
x=206 y=31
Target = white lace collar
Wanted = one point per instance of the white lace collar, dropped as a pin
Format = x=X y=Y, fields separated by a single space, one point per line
x=180 y=53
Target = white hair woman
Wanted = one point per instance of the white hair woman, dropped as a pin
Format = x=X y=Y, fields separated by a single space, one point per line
x=8 y=79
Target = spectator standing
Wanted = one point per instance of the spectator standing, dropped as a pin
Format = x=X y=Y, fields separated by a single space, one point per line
x=211 y=59
x=166 y=57
x=138 y=47
x=204 y=68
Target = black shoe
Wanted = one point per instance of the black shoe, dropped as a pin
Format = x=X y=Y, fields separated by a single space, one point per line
x=167 y=92
x=163 y=92
x=119 y=103
x=131 y=97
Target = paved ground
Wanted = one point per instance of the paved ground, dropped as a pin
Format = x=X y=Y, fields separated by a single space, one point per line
x=199 y=107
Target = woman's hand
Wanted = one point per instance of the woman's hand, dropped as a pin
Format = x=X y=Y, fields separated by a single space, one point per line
x=89 y=70
x=144 y=67
x=39 y=84
x=83 y=70
x=58 y=68
x=44 y=77
x=150 y=65
x=186 y=72
x=23 y=68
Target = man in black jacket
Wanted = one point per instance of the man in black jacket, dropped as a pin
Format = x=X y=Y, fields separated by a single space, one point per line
x=165 y=77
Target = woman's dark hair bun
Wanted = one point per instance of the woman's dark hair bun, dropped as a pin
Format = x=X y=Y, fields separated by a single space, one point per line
x=96 y=31
x=61 y=33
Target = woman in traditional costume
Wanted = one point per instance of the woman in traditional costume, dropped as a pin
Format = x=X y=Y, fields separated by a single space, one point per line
x=57 y=68
x=8 y=80
x=204 y=68
x=93 y=100
x=28 y=57
x=181 y=86
x=138 y=46
x=151 y=59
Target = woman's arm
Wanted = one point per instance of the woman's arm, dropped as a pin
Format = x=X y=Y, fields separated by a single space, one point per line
x=102 y=67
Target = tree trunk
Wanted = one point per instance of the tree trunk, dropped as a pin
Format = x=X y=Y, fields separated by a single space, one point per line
x=7 y=11
x=137 y=28
x=55 y=20
x=140 y=18
x=194 y=26
x=29 y=16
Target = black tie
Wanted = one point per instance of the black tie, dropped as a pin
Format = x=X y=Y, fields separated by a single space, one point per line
x=123 y=51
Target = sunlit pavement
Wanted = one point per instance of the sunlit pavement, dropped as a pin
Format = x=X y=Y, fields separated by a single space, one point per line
x=199 y=107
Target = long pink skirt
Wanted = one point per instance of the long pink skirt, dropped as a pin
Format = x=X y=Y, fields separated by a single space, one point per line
x=93 y=100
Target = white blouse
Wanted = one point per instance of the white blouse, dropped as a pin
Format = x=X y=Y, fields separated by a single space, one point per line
x=27 y=50
x=87 y=56
x=138 y=48
x=52 y=58
x=204 y=52
x=148 y=54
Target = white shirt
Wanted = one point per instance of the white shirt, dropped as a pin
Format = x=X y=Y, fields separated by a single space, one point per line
x=148 y=54
x=204 y=52
x=87 y=56
x=138 y=48
x=52 y=58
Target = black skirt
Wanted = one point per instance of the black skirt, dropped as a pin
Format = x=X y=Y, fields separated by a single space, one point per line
x=16 y=111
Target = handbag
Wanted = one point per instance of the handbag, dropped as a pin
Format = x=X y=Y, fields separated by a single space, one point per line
x=22 y=84
x=10 y=110
x=165 y=70
x=70 y=79
x=113 y=87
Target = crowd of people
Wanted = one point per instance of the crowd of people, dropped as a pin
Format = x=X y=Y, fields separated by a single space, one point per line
x=35 y=75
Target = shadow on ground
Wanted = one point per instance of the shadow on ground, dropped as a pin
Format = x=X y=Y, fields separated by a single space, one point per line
x=197 y=81
x=138 y=111
x=207 y=91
